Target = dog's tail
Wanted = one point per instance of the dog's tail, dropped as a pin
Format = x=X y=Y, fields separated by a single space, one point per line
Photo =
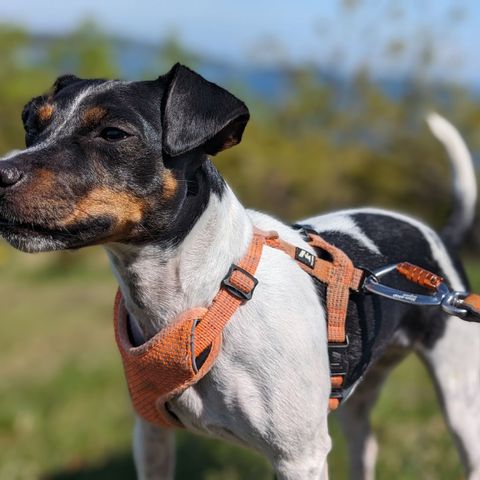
x=464 y=181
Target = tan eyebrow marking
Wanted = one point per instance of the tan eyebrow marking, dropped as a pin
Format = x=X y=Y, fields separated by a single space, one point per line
x=93 y=115
x=169 y=185
x=45 y=112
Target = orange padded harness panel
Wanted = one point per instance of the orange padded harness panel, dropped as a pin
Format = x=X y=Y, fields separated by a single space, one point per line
x=165 y=365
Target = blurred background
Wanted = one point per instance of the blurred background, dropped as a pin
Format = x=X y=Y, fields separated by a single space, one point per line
x=338 y=91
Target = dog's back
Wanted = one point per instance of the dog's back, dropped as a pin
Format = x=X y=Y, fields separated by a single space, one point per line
x=381 y=331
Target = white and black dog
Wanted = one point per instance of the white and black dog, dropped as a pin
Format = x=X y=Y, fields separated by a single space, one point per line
x=126 y=164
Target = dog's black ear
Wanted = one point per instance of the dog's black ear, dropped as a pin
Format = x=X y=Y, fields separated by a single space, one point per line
x=197 y=113
x=28 y=108
x=62 y=82
x=31 y=106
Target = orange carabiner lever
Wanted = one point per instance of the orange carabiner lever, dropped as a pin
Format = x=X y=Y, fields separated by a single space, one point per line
x=419 y=275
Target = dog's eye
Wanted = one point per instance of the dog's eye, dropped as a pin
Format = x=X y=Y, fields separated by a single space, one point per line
x=113 y=134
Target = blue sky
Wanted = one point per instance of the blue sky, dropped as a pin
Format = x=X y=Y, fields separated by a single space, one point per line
x=323 y=32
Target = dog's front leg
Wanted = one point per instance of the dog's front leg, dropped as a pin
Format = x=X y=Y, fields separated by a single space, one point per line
x=153 y=451
x=291 y=471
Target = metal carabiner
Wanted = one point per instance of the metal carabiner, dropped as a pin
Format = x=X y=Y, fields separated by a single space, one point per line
x=451 y=301
x=373 y=285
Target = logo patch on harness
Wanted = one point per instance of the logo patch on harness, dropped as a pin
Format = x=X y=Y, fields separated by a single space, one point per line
x=305 y=257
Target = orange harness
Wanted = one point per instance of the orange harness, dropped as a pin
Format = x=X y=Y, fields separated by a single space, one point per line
x=182 y=353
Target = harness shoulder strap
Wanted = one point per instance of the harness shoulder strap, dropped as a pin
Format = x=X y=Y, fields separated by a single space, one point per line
x=236 y=288
x=340 y=276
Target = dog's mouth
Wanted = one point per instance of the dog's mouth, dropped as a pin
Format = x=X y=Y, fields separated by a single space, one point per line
x=34 y=237
x=28 y=228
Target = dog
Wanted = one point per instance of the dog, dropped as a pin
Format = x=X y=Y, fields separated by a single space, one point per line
x=127 y=165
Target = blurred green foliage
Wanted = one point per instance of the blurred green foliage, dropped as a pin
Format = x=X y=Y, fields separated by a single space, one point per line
x=326 y=145
x=64 y=410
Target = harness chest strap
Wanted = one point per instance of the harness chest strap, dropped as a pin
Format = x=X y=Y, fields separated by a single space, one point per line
x=182 y=353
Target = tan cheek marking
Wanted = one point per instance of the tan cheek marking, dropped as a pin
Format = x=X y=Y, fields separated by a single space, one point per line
x=93 y=115
x=169 y=185
x=36 y=200
x=124 y=207
x=45 y=112
x=42 y=183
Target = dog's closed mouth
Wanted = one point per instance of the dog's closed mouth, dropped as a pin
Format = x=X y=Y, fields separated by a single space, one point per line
x=29 y=228
x=34 y=237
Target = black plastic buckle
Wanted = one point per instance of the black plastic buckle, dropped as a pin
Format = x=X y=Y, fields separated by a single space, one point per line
x=337 y=393
x=338 y=358
x=228 y=285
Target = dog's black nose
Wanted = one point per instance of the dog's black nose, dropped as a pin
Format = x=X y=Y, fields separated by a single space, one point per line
x=9 y=176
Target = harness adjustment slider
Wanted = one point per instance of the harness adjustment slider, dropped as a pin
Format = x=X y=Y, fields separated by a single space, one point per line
x=237 y=290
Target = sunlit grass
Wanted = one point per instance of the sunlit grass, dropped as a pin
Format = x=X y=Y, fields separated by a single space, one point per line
x=65 y=413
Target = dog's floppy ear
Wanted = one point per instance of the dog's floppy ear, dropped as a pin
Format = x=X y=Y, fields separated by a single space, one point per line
x=27 y=109
x=62 y=82
x=198 y=113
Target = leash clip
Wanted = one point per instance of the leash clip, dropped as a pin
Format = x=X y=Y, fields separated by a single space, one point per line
x=453 y=305
x=372 y=284
x=442 y=295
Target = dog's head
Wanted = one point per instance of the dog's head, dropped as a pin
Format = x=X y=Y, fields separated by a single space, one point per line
x=113 y=161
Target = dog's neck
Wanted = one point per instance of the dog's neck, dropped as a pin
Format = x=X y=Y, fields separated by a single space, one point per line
x=159 y=282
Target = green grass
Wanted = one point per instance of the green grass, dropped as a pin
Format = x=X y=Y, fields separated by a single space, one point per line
x=65 y=412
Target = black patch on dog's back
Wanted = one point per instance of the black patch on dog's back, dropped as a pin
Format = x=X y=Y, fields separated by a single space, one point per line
x=372 y=321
